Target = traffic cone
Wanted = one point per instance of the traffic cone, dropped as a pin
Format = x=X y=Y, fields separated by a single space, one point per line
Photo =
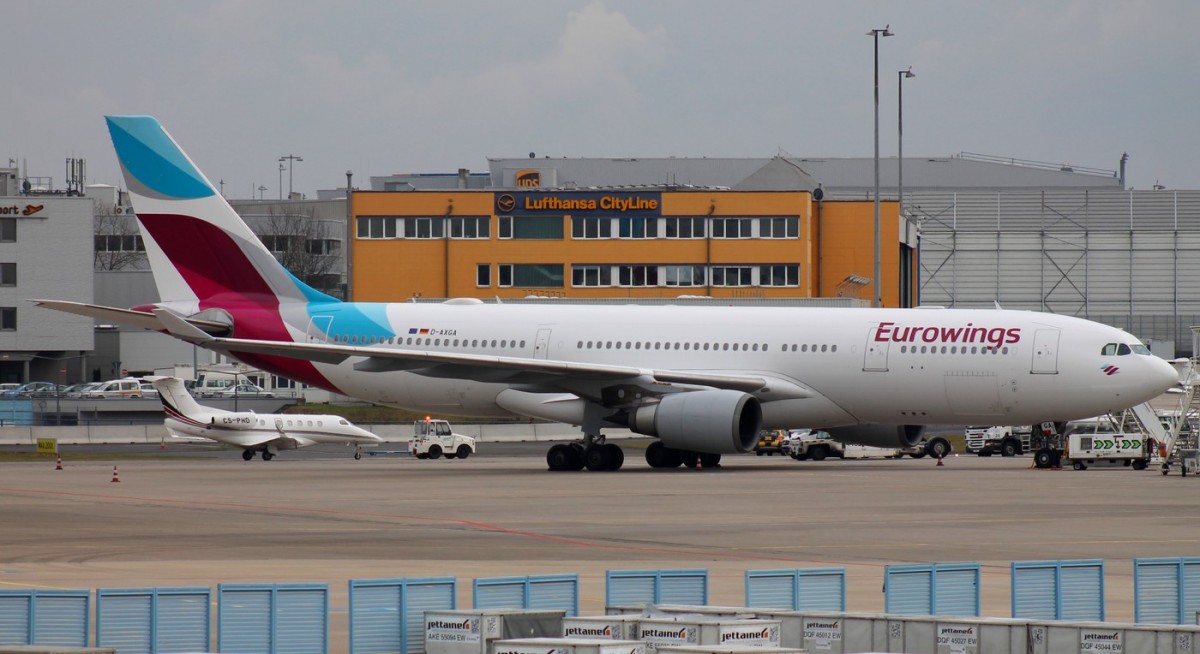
x=115 y=479
x=698 y=466
x=58 y=464
x=940 y=462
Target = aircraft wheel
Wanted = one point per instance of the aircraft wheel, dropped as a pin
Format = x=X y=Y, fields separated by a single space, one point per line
x=576 y=450
x=558 y=458
x=597 y=458
x=616 y=456
x=1042 y=459
x=435 y=452
x=656 y=455
x=710 y=460
x=357 y=456
x=689 y=459
x=247 y=455
x=267 y=455
x=464 y=451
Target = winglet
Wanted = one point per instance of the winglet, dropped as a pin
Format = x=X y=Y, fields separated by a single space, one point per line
x=180 y=328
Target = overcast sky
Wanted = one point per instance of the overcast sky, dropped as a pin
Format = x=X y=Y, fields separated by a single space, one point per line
x=393 y=87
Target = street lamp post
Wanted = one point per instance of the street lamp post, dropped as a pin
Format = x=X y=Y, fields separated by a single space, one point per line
x=281 y=167
x=291 y=159
x=904 y=74
x=875 y=34
x=347 y=254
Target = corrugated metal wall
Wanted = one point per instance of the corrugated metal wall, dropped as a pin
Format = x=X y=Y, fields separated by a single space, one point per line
x=1127 y=258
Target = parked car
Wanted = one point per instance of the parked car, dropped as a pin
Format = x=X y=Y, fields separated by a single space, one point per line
x=769 y=442
x=117 y=388
x=243 y=389
x=32 y=389
x=77 y=390
x=148 y=390
x=8 y=386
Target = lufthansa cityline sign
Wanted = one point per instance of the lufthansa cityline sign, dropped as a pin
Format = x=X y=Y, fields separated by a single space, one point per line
x=574 y=203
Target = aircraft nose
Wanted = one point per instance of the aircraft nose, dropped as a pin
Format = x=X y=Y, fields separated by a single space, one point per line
x=1163 y=374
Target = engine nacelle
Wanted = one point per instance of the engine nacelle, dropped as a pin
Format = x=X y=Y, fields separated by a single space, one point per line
x=714 y=422
x=888 y=436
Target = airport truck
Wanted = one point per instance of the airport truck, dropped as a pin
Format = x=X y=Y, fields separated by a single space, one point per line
x=1007 y=441
x=433 y=439
x=802 y=444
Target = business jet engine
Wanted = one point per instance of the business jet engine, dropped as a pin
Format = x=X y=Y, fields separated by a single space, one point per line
x=713 y=422
x=889 y=436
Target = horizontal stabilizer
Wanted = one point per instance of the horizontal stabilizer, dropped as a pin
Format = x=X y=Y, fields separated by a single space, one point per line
x=131 y=317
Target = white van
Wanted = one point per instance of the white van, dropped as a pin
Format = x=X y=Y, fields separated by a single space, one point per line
x=128 y=387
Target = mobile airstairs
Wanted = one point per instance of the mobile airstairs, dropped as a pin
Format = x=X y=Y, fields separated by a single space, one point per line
x=1175 y=425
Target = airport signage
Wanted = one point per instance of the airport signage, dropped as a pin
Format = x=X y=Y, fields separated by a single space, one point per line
x=24 y=212
x=623 y=204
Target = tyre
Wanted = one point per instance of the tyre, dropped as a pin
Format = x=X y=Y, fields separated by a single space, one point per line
x=422 y=455
x=710 y=460
x=656 y=456
x=1009 y=448
x=558 y=458
x=1043 y=459
x=1139 y=464
x=689 y=459
x=596 y=459
x=616 y=456
x=463 y=451
x=938 y=448
x=919 y=454
x=247 y=455
x=267 y=455
x=819 y=453
x=435 y=451
x=1078 y=465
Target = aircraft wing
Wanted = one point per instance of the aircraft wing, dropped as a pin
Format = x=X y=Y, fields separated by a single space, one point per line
x=585 y=378
x=143 y=319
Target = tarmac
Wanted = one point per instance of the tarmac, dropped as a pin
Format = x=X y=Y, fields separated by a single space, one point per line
x=183 y=516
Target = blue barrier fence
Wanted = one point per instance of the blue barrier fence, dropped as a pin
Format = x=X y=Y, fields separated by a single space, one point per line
x=387 y=615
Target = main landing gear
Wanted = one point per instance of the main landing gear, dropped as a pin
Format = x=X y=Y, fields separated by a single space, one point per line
x=594 y=456
x=248 y=454
x=661 y=456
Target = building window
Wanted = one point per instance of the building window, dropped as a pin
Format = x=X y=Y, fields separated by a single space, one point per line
x=732 y=276
x=8 y=230
x=781 y=227
x=377 y=226
x=323 y=246
x=587 y=228
x=483 y=275
x=684 y=227
x=422 y=227
x=779 y=275
x=506 y=226
x=537 y=227
x=8 y=319
x=637 y=227
x=119 y=243
x=732 y=227
x=683 y=275
x=536 y=275
x=8 y=274
x=591 y=276
x=470 y=227
x=637 y=275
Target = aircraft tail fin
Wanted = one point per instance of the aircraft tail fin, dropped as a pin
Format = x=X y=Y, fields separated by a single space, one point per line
x=199 y=248
x=177 y=401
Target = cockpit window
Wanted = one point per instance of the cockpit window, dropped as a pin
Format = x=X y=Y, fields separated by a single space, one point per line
x=1123 y=349
x=1141 y=349
x=1109 y=350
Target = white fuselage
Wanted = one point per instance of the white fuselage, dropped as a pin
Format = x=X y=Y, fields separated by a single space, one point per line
x=891 y=366
x=283 y=431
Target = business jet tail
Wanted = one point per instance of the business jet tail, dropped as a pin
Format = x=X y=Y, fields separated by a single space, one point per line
x=177 y=402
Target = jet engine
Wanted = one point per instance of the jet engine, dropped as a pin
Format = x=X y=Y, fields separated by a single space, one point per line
x=889 y=436
x=714 y=422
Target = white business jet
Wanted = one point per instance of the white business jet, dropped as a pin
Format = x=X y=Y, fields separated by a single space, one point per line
x=264 y=433
x=703 y=380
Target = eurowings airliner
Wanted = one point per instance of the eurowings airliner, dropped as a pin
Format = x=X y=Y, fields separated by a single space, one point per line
x=702 y=379
x=264 y=433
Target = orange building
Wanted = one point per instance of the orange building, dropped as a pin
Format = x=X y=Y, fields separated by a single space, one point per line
x=635 y=244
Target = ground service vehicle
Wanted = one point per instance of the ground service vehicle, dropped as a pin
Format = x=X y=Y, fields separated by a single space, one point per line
x=1097 y=441
x=128 y=388
x=433 y=438
x=1007 y=441
x=804 y=444
x=770 y=441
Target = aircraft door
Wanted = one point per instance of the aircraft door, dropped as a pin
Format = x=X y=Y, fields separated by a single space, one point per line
x=541 y=344
x=318 y=329
x=279 y=425
x=1045 y=352
x=875 y=354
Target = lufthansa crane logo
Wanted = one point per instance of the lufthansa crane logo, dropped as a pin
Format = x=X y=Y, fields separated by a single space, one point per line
x=506 y=203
